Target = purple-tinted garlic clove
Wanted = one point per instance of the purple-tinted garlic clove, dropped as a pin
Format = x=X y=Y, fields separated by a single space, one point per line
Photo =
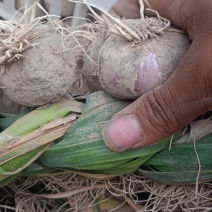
x=114 y=79
x=148 y=75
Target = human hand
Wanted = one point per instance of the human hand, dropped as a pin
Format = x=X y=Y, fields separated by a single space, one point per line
x=184 y=96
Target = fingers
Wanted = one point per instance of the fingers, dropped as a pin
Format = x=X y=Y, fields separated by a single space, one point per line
x=177 y=11
x=172 y=10
x=126 y=8
x=167 y=109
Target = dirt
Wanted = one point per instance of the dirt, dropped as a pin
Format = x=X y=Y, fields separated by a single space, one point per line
x=6 y=105
x=43 y=76
x=90 y=69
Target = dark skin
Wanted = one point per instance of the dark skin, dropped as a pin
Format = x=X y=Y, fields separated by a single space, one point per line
x=187 y=93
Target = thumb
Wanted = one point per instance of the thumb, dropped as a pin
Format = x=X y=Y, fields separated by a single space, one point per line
x=166 y=109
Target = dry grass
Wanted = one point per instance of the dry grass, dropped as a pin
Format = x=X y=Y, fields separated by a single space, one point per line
x=71 y=192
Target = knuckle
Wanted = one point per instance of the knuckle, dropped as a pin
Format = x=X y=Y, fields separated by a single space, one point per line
x=207 y=90
x=194 y=13
x=158 y=115
x=186 y=13
x=127 y=8
x=196 y=74
x=202 y=77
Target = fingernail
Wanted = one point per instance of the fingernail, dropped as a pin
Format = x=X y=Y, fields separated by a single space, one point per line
x=123 y=133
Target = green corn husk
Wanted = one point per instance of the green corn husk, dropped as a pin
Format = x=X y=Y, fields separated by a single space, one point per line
x=26 y=139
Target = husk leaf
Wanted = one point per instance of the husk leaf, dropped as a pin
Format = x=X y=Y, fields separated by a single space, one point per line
x=26 y=139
